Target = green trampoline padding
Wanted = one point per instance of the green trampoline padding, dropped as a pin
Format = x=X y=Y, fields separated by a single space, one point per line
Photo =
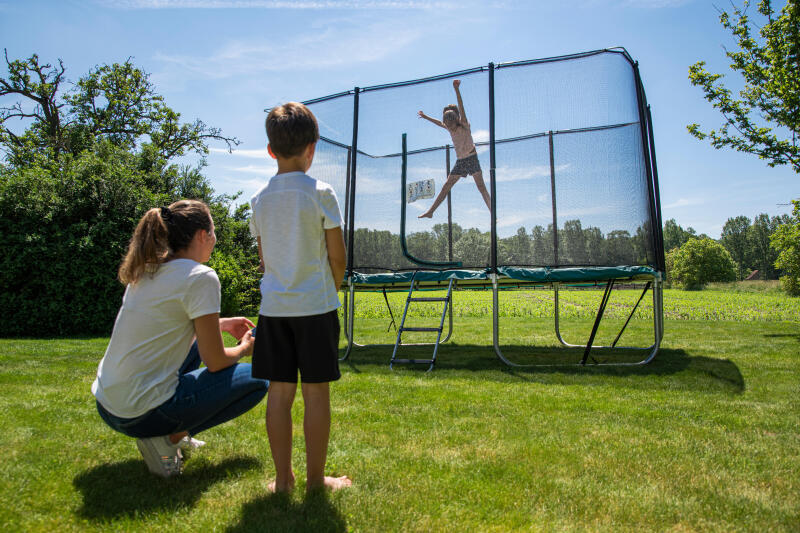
x=576 y=274
x=536 y=275
x=421 y=275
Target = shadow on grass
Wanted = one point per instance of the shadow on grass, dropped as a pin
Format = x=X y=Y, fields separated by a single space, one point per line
x=795 y=336
x=127 y=488
x=683 y=370
x=279 y=512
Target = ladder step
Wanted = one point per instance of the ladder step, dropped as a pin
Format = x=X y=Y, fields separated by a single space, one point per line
x=427 y=299
x=413 y=361
x=420 y=329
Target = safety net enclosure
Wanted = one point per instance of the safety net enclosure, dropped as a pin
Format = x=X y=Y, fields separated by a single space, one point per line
x=564 y=147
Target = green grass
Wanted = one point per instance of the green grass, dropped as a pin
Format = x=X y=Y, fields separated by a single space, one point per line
x=709 y=304
x=703 y=439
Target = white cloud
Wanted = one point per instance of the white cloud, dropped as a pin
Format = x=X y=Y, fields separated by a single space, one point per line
x=257 y=153
x=683 y=202
x=275 y=4
x=653 y=4
x=512 y=220
x=248 y=185
x=330 y=47
x=506 y=174
x=266 y=170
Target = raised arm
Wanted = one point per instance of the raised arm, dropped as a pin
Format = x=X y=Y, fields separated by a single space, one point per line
x=426 y=117
x=456 y=84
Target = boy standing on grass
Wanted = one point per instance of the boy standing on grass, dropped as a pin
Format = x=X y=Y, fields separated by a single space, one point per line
x=297 y=223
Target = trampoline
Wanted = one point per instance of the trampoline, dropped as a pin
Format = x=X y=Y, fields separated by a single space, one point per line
x=566 y=149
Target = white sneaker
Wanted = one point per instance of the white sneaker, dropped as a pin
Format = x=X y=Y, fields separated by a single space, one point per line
x=161 y=456
x=188 y=443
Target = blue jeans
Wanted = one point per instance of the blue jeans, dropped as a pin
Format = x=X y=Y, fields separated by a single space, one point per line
x=202 y=400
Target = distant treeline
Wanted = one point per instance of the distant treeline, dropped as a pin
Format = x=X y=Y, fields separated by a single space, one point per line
x=577 y=246
x=747 y=242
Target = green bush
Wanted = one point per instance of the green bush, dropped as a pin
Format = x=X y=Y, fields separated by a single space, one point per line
x=786 y=240
x=700 y=261
x=239 y=278
x=64 y=233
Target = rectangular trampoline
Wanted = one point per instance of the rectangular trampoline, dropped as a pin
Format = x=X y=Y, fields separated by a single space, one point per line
x=565 y=147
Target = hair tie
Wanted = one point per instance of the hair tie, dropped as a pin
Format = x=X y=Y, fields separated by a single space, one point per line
x=166 y=214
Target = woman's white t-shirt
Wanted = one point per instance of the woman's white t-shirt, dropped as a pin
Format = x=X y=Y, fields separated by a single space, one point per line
x=152 y=336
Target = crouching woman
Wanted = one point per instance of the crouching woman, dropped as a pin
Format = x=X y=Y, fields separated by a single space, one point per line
x=149 y=383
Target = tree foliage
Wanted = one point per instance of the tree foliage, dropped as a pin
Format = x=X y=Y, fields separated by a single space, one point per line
x=82 y=166
x=764 y=119
x=698 y=262
x=786 y=240
x=735 y=239
x=675 y=235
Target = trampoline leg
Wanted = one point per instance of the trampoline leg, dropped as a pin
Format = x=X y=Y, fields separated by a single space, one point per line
x=496 y=322
x=348 y=319
x=450 y=312
x=557 y=324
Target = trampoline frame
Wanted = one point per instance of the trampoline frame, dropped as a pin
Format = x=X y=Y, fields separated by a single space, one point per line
x=494 y=280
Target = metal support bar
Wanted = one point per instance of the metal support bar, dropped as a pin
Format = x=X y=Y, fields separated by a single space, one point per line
x=597 y=320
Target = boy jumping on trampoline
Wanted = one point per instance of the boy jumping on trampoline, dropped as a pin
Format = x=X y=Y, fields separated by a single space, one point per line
x=454 y=120
x=297 y=224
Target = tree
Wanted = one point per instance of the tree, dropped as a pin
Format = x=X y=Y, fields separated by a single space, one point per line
x=114 y=103
x=763 y=256
x=86 y=164
x=735 y=240
x=700 y=261
x=674 y=235
x=765 y=118
x=542 y=246
x=786 y=240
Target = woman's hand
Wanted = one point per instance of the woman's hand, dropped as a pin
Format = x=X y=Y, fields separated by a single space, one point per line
x=246 y=344
x=238 y=326
x=456 y=83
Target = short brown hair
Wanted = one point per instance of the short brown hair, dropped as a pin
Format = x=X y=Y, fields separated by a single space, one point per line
x=290 y=128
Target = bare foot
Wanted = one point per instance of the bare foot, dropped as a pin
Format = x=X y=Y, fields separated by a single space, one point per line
x=284 y=487
x=426 y=214
x=335 y=483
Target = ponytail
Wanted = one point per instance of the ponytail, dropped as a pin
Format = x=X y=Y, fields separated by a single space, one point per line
x=162 y=232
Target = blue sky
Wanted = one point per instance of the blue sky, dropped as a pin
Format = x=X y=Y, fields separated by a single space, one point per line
x=224 y=61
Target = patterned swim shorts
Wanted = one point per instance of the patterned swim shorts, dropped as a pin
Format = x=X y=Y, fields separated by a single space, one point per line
x=467 y=166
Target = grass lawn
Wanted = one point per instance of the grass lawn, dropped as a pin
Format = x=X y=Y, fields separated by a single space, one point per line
x=705 y=438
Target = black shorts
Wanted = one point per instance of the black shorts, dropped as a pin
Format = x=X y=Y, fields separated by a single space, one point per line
x=468 y=166
x=287 y=344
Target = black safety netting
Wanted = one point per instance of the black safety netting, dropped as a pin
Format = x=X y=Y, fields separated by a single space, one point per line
x=574 y=178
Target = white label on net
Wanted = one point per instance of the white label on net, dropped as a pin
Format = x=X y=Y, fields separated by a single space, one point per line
x=419 y=190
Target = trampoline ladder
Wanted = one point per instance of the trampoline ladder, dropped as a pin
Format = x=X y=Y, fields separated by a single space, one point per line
x=446 y=300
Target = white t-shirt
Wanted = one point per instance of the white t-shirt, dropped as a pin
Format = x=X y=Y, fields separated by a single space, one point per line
x=152 y=336
x=290 y=215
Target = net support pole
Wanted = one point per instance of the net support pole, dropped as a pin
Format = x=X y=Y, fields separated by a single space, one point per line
x=553 y=196
x=654 y=220
x=347 y=195
x=492 y=165
x=449 y=207
x=352 y=198
x=660 y=226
